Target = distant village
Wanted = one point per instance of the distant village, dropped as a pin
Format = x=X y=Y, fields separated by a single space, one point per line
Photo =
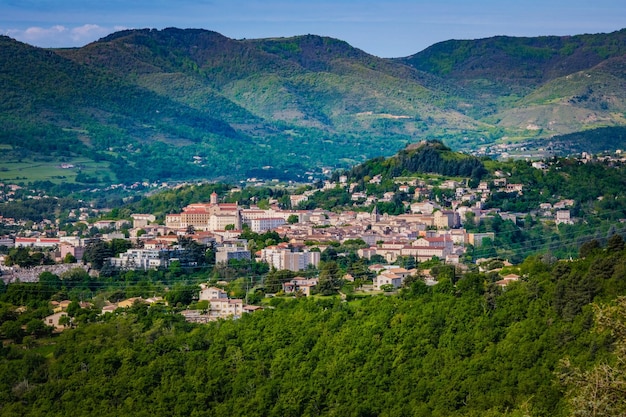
x=428 y=230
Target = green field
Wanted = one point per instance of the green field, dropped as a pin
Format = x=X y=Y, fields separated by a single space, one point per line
x=29 y=170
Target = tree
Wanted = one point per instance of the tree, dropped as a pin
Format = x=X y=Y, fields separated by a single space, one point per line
x=293 y=219
x=181 y=294
x=69 y=259
x=12 y=330
x=276 y=278
x=330 y=278
x=615 y=243
x=588 y=248
x=97 y=252
x=599 y=391
x=37 y=328
x=50 y=280
x=75 y=277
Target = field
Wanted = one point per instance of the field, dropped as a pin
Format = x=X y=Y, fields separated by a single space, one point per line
x=36 y=169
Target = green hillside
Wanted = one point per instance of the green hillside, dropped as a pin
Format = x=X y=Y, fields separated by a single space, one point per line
x=464 y=347
x=179 y=104
x=422 y=158
x=535 y=87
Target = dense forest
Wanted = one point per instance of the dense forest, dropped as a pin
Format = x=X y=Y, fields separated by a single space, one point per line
x=464 y=348
x=424 y=157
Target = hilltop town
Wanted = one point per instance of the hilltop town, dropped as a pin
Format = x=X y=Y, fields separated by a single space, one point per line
x=439 y=224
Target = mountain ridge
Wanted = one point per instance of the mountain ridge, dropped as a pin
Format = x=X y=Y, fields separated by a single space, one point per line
x=298 y=104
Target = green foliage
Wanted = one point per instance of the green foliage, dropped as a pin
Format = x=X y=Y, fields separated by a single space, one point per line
x=466 y=349
x=427 y=157
x=26 y=258
x=143 y=105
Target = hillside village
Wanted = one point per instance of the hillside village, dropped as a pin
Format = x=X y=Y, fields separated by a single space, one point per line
x=428 y=229
x=439 y=222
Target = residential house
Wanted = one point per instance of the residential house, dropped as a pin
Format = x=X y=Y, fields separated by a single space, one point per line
x=53 y=320
x=304 y=285
x=388 y=278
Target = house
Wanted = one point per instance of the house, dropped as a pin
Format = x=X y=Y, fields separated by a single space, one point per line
x=301 y=284
x=295 y=200
x=210 y=293
x=388 y=278
x=59 y=306
x=563 y=204
x=225 y=308
x=129 y=302
x=109 y=309
x=142 y=220
x=251 y=308
x=563 y=217
x=507 y=279
x=53 y=320
x=425 y=207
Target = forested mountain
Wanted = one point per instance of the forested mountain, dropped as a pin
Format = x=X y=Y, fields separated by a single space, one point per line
x=547 y=85
x=180 y=104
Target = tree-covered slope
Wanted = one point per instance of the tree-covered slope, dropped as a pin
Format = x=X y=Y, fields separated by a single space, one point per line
x=535 y=86
x=464 y=350
x=422 y=158
x=517 y=61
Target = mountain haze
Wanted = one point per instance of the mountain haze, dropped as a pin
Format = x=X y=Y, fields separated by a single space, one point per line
x=180 y=104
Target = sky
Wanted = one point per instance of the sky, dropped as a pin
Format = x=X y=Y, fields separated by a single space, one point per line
x=395 y=28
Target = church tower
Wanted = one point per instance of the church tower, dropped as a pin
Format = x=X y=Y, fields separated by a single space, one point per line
x=375 y=216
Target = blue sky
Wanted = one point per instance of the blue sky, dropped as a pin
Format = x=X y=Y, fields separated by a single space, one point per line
x=394 y=28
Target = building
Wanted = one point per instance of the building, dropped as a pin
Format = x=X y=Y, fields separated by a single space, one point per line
x=446 y=219
x=206 y=216
x=220 y=306
x=233 y=249
x=284 y=258
x=304 y=285
x=563 y=217
x=266 y=223
x=53 y=320
x=142 y=220
x=388 y=278
x=143 y=259
x=210 y=293
x=476 y=239
x=76 y=251
x=37 y=242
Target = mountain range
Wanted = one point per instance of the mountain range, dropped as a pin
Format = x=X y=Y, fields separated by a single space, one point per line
x=178 y=104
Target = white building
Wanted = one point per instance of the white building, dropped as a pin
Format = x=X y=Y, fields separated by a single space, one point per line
x=266 y=223
x=284 y=258
x=141 y=259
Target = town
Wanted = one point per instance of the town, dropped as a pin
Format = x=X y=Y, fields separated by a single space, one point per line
x=392 y=246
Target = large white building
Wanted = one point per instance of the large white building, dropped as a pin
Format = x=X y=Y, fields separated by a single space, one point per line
x=266 y=223
x=141 y=259
x=206 y=216
x=284 y=258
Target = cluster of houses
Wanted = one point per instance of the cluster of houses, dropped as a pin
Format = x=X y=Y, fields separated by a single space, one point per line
x=427 y=230
x=219 y=306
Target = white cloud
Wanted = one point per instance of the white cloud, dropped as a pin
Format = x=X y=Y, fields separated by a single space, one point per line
x=60 y=36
